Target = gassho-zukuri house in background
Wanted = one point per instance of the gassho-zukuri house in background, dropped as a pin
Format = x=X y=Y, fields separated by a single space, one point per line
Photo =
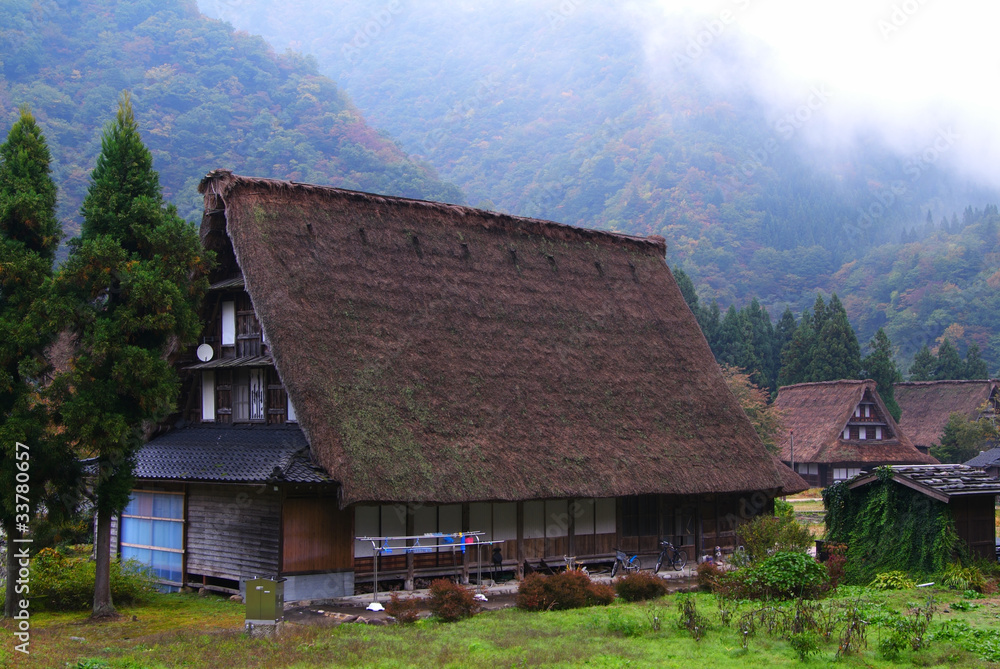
x=837 y=429
x=380 y=366
x=927 y=405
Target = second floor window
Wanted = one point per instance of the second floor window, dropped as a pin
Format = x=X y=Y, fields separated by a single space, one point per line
x=249 y=388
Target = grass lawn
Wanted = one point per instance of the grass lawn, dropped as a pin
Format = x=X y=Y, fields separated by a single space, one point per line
x=186 y=630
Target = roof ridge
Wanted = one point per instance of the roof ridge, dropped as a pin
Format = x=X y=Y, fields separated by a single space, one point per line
x=945 y=381
x=828 y=383
x=226 y=180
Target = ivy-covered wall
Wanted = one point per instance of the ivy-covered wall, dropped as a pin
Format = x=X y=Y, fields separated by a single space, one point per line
x=887 y=526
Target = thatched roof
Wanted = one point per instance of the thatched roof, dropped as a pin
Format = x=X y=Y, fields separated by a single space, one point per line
x=816 y=413
x=926 y=405
x=440 y=353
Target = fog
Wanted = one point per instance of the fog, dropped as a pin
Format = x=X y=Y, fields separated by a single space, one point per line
x=907 y=71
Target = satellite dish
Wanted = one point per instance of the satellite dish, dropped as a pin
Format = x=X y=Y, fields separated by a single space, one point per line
x=205 y=352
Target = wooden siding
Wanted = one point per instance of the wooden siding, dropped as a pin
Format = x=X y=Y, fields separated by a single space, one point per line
x=232 y=531
x=975 y=523
x=316 y=536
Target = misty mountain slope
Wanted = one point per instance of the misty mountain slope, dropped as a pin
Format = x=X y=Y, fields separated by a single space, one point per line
x=563 y=111
x=205 y=97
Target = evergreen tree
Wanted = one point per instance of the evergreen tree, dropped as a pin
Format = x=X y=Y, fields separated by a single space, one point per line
x=687 y=290
x=880 y=366
x=711 y=325
x=29 y=235
x=731 y=341
x=924 y=365
x=763 y=367
x=130 y=289
x=798 y=353
x=975 y=366
x=837 y=354
x=820 y=314
x=949 y=365
x=962 y=439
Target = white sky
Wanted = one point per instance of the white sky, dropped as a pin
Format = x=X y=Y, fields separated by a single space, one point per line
x=906 y=68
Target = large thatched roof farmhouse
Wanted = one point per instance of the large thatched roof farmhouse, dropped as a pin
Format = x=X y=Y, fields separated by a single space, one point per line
x=836 y=429
x=926 y=406
x=378 y=366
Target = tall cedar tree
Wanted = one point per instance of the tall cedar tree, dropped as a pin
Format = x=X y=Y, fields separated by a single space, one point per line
x=975 y=366
x=924 y=365
x=29 y=235
x=837 y=354
x=132 y=286
x=880 y=366
x=963 y=439
x=796 y=356
x=949 y=363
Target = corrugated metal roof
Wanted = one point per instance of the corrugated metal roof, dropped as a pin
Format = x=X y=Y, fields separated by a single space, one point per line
x=225 y=284
x=246 y=361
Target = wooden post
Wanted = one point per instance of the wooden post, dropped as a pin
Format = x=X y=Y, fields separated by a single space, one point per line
x=571 y=511
x=408 y=583
x=519 y=570
x=466 y=548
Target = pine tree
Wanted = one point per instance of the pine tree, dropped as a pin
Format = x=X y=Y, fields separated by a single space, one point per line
x=949 y=365
x=924 y=365
x=975 y=366
x=731 y=341
x=837 y=354
x=880 y=366
x=131 y=288
x=687 y=290
x=798 y=353
x=29 y=235
x=711 y=325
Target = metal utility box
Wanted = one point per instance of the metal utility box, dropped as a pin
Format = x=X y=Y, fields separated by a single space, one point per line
x=265 y=600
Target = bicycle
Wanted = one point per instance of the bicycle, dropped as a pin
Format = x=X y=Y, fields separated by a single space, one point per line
x=624 y=561
x=674 y=557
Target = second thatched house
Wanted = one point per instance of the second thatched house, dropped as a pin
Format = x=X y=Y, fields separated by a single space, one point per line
x=837 y=429
x=383 y=367
x=927 y=405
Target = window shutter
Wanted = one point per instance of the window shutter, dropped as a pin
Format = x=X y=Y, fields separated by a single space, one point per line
x=228 y=323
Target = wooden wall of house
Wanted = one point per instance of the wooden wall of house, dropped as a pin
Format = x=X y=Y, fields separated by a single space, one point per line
x=975 y=523
x=316 y=536
x=233 y=531
x=533 y=530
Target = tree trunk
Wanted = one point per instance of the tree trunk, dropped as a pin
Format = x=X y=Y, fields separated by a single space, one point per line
x=8 y=605
x=103 y=607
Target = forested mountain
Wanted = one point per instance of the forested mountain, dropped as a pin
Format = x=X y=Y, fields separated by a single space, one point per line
x=205 y=97
x=564 y=110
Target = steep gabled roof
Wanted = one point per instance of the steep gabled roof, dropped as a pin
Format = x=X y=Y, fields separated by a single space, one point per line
x=816 y=413
x=440 y=353
x=926 y=405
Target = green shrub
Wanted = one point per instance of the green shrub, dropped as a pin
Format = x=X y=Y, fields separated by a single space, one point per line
x=891 y=580
x=639 y=586
x=804 y=643
x=766 y=535
x=567 y=590
x=782 y=576
x=61 y=583
x=451 y=602
x=958 y=577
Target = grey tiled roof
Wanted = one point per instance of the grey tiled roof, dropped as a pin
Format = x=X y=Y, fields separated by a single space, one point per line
x=240 y=453
x=988 y=458
x=940 y=481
